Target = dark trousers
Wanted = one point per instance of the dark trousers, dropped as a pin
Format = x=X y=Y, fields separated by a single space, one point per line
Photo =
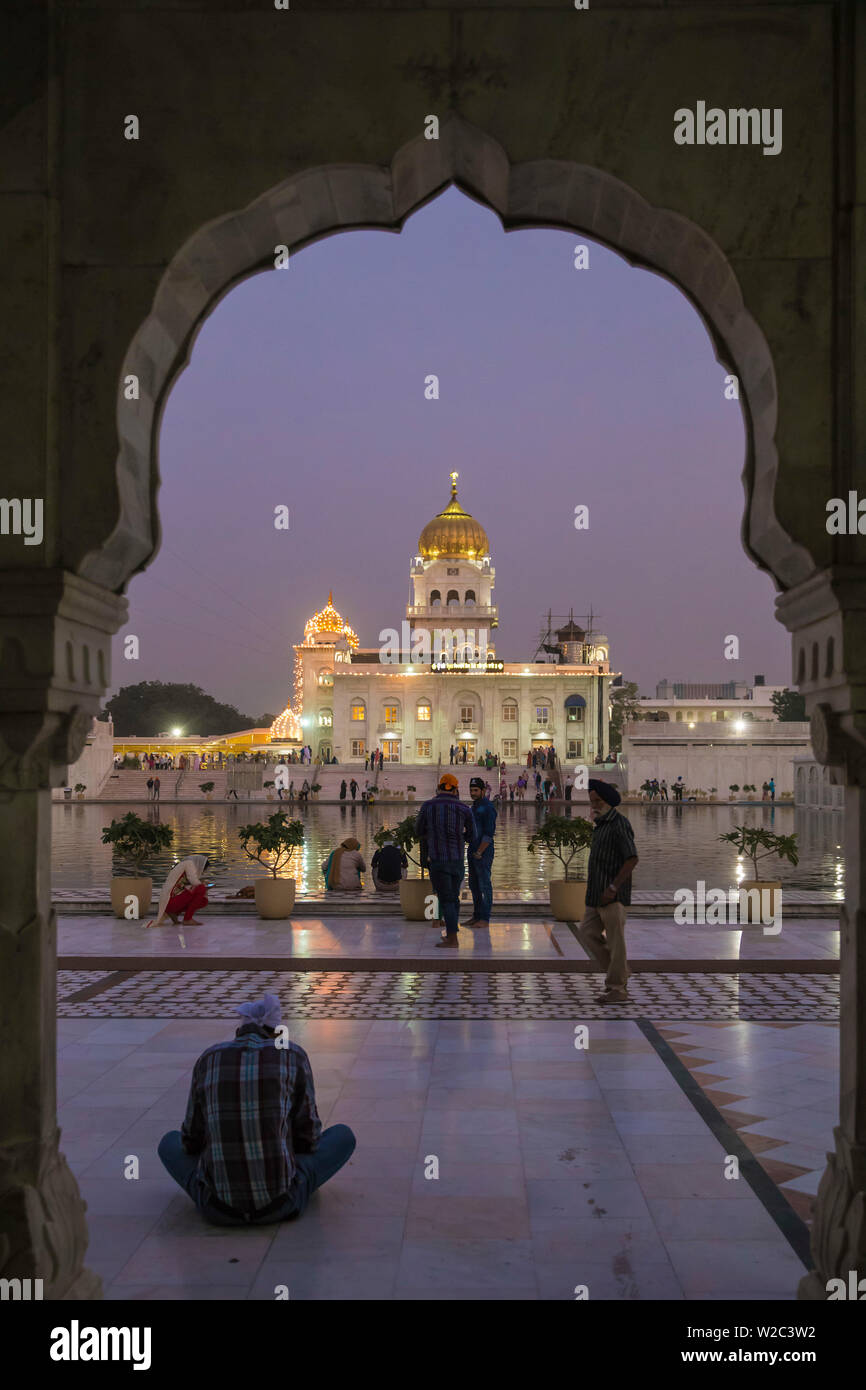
x=336 y=1146
x=446 y=876
x=480 y=884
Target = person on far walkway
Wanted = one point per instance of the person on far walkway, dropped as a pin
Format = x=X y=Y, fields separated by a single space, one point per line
x=156 y=789
x=612 y=860
x=569 y=787
x=678 y=788
x=353 y=788
x=343 y=790
x=771 y=786
x=251 y=1150
x=451 y=754
x=150 y=789
x=444 y=827
x=664 y=790
x=304 y=793
x=480 y=857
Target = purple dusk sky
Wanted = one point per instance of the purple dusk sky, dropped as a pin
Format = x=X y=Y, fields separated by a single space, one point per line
x=558 y=387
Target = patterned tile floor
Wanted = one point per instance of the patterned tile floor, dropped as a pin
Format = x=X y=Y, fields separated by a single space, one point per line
x=430 y=995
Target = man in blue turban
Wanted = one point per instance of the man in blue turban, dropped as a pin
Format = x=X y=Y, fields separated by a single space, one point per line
x=612 y=859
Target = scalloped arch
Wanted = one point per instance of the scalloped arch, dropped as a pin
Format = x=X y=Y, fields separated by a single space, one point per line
x=341 y=197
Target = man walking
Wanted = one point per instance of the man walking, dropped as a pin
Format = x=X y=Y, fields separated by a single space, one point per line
x=444 y=827
x=612 y=859
x=480 y=858
x=353 y=788
x=156 y=789
x=772 y=788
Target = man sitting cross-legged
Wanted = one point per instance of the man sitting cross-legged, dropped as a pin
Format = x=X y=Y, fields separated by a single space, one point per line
x=252 y=1149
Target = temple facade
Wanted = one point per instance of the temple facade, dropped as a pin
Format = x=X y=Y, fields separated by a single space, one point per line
x=437 y=683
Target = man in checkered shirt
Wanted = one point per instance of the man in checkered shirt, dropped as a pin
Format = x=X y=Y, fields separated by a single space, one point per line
x=252 y=1149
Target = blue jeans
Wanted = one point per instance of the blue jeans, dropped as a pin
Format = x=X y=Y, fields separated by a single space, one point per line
x=336 y=1146
x=446 y=876
x=480 y=885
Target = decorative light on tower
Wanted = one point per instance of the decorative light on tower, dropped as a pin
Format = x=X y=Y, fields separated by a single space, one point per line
x=325 y=628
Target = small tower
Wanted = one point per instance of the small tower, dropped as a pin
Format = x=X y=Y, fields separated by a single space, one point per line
x=452 y=579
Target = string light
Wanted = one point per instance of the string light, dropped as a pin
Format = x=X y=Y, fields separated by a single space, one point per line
x=326 y=623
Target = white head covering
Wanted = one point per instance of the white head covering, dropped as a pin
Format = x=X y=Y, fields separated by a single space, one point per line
x=266 y=1011
x=193 y=867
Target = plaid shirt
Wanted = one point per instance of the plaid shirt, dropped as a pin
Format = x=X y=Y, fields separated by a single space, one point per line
x=251 y=1106
x=445 y=826
x=612 y=844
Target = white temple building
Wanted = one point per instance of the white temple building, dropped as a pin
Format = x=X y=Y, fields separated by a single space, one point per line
x=438 y=683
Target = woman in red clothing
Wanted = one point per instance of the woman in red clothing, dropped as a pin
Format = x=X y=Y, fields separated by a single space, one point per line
x=183 y=892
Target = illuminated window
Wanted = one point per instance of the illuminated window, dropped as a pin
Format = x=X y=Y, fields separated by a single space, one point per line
x=467 y=715
x=424 y=747
x=359 y=748
x=509 y=748
x=326 y=718
x=358 y=710
x=424 y=710
x=392 y=714
x=574 y=714
x=326 y=677
x=509 y=711
x=542 y=714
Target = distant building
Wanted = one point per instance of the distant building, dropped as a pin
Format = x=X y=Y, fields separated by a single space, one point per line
x=439 y=683
x=685 y=702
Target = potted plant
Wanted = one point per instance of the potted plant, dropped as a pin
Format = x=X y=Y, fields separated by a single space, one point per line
x=564 y=837
x=268 y=788
x=80 y=789
x=733 y=789
x=410 y=792
x=414 y=892
x=135 y=839
x=207 y=788
x=315 y=789
x=273 y=843
x=756 y=843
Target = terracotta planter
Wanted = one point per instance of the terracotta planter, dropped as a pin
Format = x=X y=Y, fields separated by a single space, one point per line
x=275 y=897
x=568 y=899
x=767 y=909
x=414 y=893
x=123 y=888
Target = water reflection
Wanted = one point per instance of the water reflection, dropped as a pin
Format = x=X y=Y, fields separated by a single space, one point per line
x=677 y=844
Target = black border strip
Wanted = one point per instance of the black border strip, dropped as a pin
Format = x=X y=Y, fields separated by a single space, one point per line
x=792 y=1226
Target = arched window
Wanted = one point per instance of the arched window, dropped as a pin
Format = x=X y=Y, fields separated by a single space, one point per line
x=509 y=711
x=326 y=718
x=453 y=599
x=424 y=710
x=391 y=712
x=357 y=710
x=326 y=676
x=574 y=709
x=469 y=598
x=435 y=599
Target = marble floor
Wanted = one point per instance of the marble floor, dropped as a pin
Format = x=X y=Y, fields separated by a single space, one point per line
x=496 y=1159
x=353 y=940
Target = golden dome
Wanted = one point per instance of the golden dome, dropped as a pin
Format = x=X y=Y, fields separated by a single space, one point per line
x=453 y=533
x=328 y=623
x=286 y=726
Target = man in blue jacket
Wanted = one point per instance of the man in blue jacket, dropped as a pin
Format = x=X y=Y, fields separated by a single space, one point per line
x=480 y=858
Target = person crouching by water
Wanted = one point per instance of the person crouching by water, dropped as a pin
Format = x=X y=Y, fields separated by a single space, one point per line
x=343 y=868
x=252 y=1149
x=612 y=859
x=388 y=865
x=183 y=892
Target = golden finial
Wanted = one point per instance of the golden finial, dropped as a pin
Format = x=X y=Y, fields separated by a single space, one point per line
x=330 y=598
x=454 y=477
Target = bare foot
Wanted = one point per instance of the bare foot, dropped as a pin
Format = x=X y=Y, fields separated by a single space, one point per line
x=193 y=922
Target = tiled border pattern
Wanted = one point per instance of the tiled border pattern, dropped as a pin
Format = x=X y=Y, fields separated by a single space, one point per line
x=453 y=995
